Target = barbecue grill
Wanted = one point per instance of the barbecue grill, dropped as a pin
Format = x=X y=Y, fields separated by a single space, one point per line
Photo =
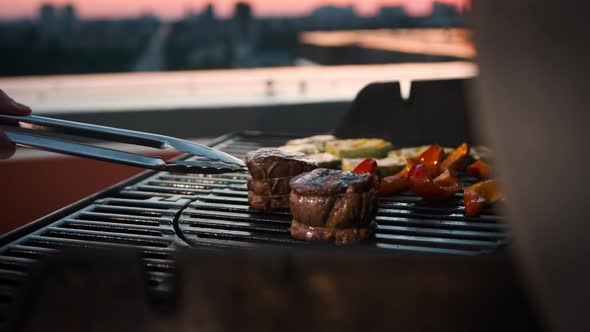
x=158 y=212
x=172 y=221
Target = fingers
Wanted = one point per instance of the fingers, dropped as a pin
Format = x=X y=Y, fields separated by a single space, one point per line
x=7 y=147
x=11 y=107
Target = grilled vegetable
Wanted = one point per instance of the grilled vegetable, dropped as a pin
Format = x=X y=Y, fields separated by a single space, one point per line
x=326 y=160
x=479 y=195
x=398 y=182
x=480 y=170
x=454 y=161
x=385 y=166
x=300 y=148
x=368 y=166
x=430 y=158
x=359 y=148
x=413 y=152
x=318 y=140
x=422 y=183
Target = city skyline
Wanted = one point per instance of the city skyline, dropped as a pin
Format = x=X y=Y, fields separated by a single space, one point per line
x=175 y=9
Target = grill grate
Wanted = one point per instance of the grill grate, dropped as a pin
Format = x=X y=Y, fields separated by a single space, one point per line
x=404 y=222
x=213 y=212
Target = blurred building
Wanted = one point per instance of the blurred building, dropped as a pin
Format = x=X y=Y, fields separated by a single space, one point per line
x=444 y=15
x=58 y=41
x=70 y=19
x=208 y=15
x=393 y=16
x=333 y=17
x=59 y=27
x=49 y=26
x=199 y=41
x=243 y=20
x=244 y=36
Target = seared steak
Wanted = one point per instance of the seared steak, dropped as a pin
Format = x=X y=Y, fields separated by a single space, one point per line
x=272 y=163
x=267 y=203
x=332 y=205
x=341 y=236
x=275 y=187
x=271 y=171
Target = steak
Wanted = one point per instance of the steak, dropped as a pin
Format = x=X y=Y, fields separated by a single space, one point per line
x=271 y=163
x=271 y=171
x=279 y=186
x=267 y=202
x=332 y=205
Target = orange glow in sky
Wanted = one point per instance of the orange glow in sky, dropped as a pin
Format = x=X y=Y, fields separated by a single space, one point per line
x=172 y=9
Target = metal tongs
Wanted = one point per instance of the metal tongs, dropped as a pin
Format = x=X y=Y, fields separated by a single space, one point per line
x=30 y=126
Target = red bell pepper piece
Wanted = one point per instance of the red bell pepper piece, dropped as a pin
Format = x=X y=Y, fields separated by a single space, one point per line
x=393 y=184
x=368 y=166
x=455 y=159
x=479 y=195
x=410 y=163
x=480 y=170
x=431 y=159
x=398 y=182
x=444 y=186
x=446 y=178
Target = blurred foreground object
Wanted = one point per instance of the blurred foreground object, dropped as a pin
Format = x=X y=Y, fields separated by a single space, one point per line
x=531 y=99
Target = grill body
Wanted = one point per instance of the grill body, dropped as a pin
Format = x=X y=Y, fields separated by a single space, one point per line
x=157 y=213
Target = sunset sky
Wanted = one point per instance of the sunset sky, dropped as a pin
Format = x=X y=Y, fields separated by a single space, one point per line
x=171 y=9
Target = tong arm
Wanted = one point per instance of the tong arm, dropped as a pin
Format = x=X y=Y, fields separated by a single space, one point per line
x=117 y=135
x=85 y=150
x=86 y=130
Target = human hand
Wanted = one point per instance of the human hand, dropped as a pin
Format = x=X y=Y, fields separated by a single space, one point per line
x=11 y=107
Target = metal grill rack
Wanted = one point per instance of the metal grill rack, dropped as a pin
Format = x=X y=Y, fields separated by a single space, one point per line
x=223 y=218
x=156 y=211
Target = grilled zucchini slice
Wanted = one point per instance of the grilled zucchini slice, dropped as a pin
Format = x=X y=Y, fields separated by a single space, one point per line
x=318 y=140
x=326 y=160
x=302 y=148
x=359 y=148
